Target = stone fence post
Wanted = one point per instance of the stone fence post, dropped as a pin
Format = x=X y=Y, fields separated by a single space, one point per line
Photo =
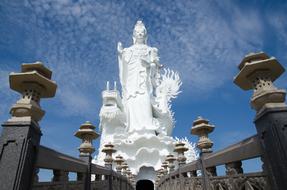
x=109 y=150
x=180 y=149
x=87 y=134
x=170 y=159
x=202 y=128
x=119 y=161
x=257 y=72
x=21 y=134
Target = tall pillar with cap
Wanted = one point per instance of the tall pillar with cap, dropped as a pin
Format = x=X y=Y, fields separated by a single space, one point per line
x=202 y=128
x=164 y=166
x=258 y=71
x=119 y=161
x=109 y=150
x=21 y=134
x=180 y=149
x=170 y=159
x=87 y=134
x=125 y=167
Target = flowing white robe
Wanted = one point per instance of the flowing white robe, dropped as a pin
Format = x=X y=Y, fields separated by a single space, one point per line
x=137 y=88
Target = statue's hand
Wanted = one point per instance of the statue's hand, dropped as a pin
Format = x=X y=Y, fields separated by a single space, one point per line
x=120 y=47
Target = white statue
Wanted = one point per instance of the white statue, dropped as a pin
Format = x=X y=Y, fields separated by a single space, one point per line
x=140 y=123
x=139 y=67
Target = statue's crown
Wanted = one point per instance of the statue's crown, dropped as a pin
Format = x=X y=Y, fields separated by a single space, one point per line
x=140 y=24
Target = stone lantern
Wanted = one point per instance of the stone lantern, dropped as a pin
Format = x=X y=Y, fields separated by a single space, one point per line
x=87 y=134
x=128 y=173
x=21 y=134
x=119 y=160
x=202 y=128
x=161 y=172
x=109 y=150
x=33 y=83
x=257 y=72
x=180 y=149
x=164 y=165
x=125 y=167
x=170 y=159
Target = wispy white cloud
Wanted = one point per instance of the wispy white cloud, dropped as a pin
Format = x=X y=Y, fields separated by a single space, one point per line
x=6 y=95
x=278 y=21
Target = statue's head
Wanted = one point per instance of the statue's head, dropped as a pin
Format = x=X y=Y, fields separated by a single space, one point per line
x=140 y=33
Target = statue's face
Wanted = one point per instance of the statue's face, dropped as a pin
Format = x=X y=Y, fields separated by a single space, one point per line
x=140 y=35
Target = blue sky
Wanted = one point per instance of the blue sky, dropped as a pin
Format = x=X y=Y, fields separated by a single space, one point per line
x=203 y=40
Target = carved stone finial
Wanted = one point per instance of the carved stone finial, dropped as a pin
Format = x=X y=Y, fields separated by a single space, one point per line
x=125 y=167
x=170 y=159
x=202 y=128
x=119 y=161
x=164 y=166
x=128 y=173
x=33 y=82
x=180 y=149
x=160 y=173
x=257 y=72
x=87 y=134
x=109 y=150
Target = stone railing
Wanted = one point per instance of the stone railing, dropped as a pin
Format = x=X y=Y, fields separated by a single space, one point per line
x=21 y=155
x=257 y=72
x=62 y=164
x=188 y=175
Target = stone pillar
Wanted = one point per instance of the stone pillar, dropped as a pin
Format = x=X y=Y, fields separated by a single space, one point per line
x=125 y=167
x=159 y=175
x=60 y=176
x=170 y=159
x=109 y=150
x=21 y=134
x=119 y=161
x=164 y=166
x=180 y=149
x=234 y=168
x=258 y=71
x=202 y=128
x=128 y=173
x=87 y=134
